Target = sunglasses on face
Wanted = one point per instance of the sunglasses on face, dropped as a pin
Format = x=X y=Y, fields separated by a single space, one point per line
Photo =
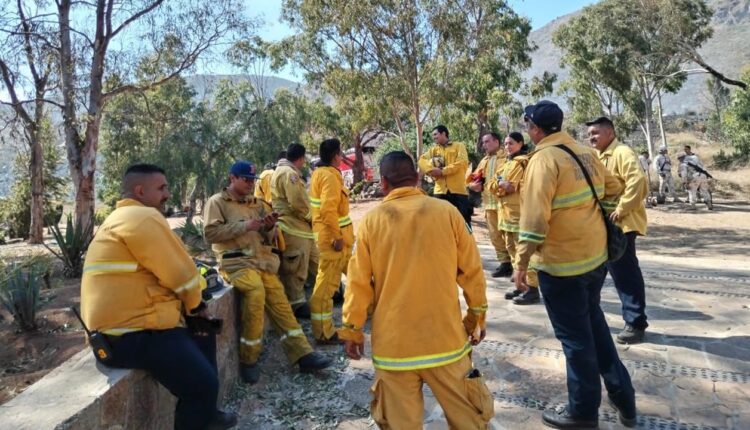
x=247 y=180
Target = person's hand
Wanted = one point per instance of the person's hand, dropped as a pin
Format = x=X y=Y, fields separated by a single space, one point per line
x=475 y=341
x=519 y=278
x=270 y=220
x=475 y=186
x=338 y=245
x=507 y=186
x=614 y=216
x=253 y=224
x=436 y=172
x=354 y=350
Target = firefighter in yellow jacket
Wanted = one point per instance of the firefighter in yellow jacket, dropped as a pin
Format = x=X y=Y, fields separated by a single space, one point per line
x=240 y=228
x=446 y=162
x=629 y=212
x=263 y=184
x=290 y=200
x=507 y=186
x=138 y=284
x=329 y=201
x=479 y=181
x=411 y=251
x=562 y=223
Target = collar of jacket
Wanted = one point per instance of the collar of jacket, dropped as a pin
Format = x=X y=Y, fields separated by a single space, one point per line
x=403 y=192
x=128 y=202
x=324 y=166
x=287 y=163
x=610 y=149
x=553 y=139
x=226 y=195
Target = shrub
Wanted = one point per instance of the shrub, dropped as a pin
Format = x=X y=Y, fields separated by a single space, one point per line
x=191 y=234
x=20 y=284
x=357 y=188
x=73 y=245
x=101 y=214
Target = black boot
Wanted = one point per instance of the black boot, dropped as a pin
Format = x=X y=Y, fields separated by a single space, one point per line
x=530 y=297
x=313 y=361
x=561 y=418
x=222 y=421
x=512 y=293
x=631 y=335
x=504 y=270
x=250 y=373
x=625 y=407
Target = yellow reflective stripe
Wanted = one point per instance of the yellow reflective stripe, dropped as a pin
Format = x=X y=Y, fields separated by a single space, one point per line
x=321 y=317
x=120 y=331
x=250 y=342
x=577 y=197
x=573 y=268
x=513 y=228
x=351 y=327
x=314 y=202
x=420 y=362
x=291 y=333
x=479 y=309
x=111 y=266
x=191 y=283
x=293 y=231
x=528 y=236
x=344 y=221
x=609 y=206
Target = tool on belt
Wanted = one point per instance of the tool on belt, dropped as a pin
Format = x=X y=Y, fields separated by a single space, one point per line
x=97 y=340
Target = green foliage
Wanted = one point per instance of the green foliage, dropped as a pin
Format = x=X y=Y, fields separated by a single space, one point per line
x=737 y=118
x=393 y=144
x=15 y=210
x=20 y=283
x=357 y=188
x=101 y=214
x=192 y=236
x=72 y=245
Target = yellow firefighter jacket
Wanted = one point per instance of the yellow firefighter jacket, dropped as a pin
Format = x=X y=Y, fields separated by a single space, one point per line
x=559 y=216
x=329 y=203
x=622 y=162
x=411 y=251
x=263 y=185
x=235 y=246
x=509 y=212
x=488 y=168
x=137 y=274
x=290 y=200
x=454 y=161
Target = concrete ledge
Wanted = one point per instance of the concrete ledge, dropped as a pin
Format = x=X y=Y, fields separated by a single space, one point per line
x=83 y=394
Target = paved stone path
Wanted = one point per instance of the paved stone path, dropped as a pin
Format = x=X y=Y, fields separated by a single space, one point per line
x=692 y=373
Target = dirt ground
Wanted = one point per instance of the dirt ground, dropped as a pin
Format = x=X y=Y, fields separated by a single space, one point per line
x=674 y=231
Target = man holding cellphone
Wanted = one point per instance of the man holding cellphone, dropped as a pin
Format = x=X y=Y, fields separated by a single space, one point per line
x=241 y=229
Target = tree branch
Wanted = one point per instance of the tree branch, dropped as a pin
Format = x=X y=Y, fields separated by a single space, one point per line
x=137 y=15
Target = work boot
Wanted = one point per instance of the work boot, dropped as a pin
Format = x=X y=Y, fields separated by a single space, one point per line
x=561 y=418
x=250 y=373
x=312 y=362
x=222 y=421
x=333 y=340
x=512 y=293
x=625 y=409
x=302 y=311
x=530 y=297
x=504 y=270
x=630 y=335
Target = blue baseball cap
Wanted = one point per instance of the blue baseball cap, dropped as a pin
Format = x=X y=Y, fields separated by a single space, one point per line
x=546 y=115
x=243 y=169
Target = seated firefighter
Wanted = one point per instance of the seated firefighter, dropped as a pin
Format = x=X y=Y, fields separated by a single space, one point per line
x=240 y=228
x=138 y=285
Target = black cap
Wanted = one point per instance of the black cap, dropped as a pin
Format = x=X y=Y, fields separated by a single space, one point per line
x=600 y=120
x=546 y=115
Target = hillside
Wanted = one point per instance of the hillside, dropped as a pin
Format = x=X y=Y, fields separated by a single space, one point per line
x=724 y=51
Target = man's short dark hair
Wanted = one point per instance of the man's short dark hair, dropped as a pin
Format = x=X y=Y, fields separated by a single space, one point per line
x=688 y=147
x=398 y=169
x=494 y=135
x=328 y=149
x=442 y=129
x=295 y=151
x=280 y=155
x=144 y=169
x=518 y=137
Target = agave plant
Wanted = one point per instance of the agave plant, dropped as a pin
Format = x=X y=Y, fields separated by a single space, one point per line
x=20 y=283
x=73 y=245
x=191 y=234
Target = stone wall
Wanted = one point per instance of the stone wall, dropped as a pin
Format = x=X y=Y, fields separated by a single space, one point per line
x=83 y=394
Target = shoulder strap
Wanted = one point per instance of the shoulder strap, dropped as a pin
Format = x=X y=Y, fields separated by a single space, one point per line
x=585 y=175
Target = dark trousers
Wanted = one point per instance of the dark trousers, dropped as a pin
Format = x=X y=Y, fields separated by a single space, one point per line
x=630 y=286
x=183 y=363
x=461 y=202
x=573 y=307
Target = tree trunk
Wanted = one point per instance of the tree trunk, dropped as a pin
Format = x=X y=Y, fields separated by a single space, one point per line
x=661 y=120
x=36 y=172
x=358 y=169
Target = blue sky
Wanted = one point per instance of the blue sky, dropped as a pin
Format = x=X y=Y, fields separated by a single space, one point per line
x=539 y=11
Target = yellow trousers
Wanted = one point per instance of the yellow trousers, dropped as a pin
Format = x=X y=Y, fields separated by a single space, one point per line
x=300 y=257
x=496 y=236
x=263 y=291
x=397 y=401
x=321 y=300
x=511 y=242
